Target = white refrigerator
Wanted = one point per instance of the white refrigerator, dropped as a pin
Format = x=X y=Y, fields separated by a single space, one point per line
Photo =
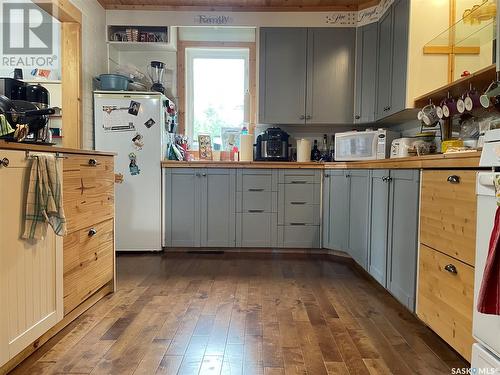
x=132 y=124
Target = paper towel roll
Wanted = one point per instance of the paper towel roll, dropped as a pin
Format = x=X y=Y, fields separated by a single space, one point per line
x=246 y=147
x=303 y=150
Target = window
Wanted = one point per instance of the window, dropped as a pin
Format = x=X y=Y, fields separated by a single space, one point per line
x=216 y=83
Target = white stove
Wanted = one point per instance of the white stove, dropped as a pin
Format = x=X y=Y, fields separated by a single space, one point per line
x=486 y=328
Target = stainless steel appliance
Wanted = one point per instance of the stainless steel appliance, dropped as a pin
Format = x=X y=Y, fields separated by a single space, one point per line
x=272 y=145
x=364 y=145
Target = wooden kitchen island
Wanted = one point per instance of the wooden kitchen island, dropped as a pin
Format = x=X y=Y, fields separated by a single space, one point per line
x=47 y=284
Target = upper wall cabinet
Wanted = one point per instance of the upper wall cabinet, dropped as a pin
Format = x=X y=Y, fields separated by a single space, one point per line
x=366 y=73
x=392 y=60
x=306 y=75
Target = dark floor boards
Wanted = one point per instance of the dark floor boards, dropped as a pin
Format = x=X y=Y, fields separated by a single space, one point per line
x=245 y=314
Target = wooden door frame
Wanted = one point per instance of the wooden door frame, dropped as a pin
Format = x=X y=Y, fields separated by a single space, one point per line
x=181 y=76
x=71 y=67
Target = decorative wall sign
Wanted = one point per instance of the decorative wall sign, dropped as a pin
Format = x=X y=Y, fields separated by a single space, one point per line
x=204 y=19
x=341 y=19
x=373 y=14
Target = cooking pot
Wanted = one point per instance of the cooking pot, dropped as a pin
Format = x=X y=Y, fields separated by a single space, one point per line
x=113 y=82
x=18 y=112
x=38 y=95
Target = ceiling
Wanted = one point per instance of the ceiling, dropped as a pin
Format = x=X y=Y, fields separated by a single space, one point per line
x=239 y=5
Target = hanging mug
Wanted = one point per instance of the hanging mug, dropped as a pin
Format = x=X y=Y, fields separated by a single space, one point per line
x=449 y=106
x=472 y=100
x=461 y=104
x=489 y=97
x=429 y=115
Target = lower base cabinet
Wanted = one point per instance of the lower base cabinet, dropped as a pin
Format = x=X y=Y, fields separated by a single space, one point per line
x=446 y=299
x=31 y=272
x=373 y=216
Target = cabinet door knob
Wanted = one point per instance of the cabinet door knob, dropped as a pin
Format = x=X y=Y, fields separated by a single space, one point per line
x=308 y=117
x=92 y=232
x=327 y=176
x=302 y=117
x=204 y=174
x=451 y=269
x=197 y=175
x=92 y=162
x=5 y=162
x=453 y=179
x=357 y=117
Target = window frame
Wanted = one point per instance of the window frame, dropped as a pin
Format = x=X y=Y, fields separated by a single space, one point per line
x=236 y=53
x=182 y=45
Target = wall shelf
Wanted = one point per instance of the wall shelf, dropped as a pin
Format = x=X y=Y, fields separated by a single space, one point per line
x=479 y=80
x=141 y=46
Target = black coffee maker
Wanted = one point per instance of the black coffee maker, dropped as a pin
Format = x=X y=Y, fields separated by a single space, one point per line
x=272 y=145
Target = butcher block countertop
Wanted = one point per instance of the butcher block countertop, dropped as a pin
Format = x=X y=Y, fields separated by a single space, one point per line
x=452 y=160
x=42 y=148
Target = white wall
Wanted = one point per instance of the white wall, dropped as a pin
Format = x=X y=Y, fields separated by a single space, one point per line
x=94 y=58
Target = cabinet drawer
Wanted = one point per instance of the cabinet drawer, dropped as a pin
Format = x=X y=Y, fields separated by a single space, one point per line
x=301 y=214
x=257 y=229
x=299 y=236
x=299 y=180
x=257 y=201
x=300 y=193
x=88 y=262
x=448 y=213
x=445 y=299
x=256 y=183
x=88 y=190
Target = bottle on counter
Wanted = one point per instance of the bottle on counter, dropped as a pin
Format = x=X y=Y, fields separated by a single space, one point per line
x=324 y=148
x=315 y=153
x=331 y=150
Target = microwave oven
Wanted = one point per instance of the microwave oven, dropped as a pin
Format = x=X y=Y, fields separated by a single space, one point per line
x=364 y=145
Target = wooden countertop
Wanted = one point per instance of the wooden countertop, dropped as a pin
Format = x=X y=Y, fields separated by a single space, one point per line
x=452 y=160
x=41 y=148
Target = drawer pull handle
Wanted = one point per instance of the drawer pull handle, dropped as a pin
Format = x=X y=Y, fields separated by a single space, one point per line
x=5 y=162
x=255 y=189
x=297 y=224
x=451 y=268
x=453 y=179
x=299 y=182
x=298 y=202
x=92 y=232
x=92 y=162
x=255 y=211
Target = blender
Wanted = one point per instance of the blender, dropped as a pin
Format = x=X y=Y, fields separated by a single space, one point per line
x=156 y=70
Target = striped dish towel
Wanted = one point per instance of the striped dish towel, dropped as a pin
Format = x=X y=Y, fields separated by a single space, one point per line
x=44 y=203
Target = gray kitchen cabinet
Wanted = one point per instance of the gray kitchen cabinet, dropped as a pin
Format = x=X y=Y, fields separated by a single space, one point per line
x=306 y=75
x=384 y=64
x=183 y=210
x=218 y=198
x=392 y=59
x=366 y=73
x=359 y=213
x=403 y=235
x=282 y=75
x=256 y=207
x=400 y=30
x=377 y=259
x=330 y=75
x=299 y=205
x=337 y=226
x=200 y=207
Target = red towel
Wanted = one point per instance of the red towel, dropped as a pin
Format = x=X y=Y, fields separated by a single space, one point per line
x=489 y=294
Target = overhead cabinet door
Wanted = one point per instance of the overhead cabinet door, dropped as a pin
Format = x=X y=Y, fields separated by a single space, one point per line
x=330 y=75
x=384 y=73
x=366 y=71
x=282 y=75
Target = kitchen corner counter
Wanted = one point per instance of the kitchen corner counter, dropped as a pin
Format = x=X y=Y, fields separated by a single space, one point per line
x=43 y=148
x=452 y=160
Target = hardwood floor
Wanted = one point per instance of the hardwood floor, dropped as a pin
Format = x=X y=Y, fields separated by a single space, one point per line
x=243 y=314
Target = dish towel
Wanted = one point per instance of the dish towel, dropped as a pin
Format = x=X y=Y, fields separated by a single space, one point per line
x=5 y=128
x=489 y=294
x=44 y=203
